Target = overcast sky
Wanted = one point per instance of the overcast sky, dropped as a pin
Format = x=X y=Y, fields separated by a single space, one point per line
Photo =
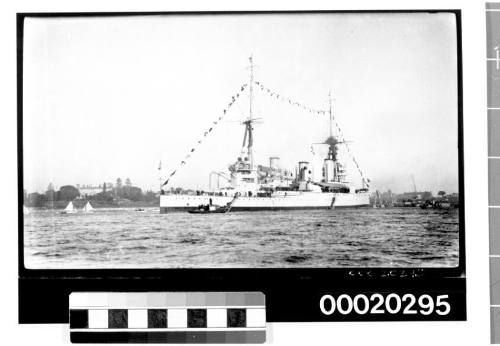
x=111 y=97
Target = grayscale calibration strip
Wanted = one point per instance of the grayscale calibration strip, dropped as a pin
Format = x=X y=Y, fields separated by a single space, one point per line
x=493 y=70
x=167 y=317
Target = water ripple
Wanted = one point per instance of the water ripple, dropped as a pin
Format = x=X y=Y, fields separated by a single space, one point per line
x=123 y=238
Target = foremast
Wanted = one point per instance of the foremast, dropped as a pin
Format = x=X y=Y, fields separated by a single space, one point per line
x=244 y=175
x=247 y=147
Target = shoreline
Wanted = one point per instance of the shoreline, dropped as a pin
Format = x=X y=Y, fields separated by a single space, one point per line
x=79 y=204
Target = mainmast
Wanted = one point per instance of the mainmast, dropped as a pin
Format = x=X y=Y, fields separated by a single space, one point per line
x=249 y=123
x=331 y=140
x=159 y=176
x=251 y=87
x=331 y=113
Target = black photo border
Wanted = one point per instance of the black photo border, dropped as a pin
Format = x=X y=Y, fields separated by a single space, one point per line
x=292 y=294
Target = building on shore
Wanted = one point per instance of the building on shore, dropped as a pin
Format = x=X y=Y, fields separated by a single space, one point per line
x=92 y=190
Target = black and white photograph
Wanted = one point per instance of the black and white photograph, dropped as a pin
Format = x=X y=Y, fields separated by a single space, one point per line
x=241 y=140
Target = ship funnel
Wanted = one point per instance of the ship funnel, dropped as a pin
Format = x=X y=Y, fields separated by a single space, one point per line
x=304 y=171
x=274 y=162
x=329 y=170
x=319 y=154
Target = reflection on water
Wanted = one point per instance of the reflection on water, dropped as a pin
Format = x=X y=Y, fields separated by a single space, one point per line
x=124 y=238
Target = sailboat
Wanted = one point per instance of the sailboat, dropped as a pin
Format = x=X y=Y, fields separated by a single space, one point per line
x=26 y=210
x=70 y=209
x=88 y=207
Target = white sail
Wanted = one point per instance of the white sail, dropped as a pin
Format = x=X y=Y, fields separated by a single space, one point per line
x=88 y=207
x=69 y=208
x=26 y=210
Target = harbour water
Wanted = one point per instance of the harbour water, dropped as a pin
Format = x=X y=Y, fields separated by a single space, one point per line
x=125 y=238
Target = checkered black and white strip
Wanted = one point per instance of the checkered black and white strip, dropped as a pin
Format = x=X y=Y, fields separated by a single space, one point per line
x=215 y=317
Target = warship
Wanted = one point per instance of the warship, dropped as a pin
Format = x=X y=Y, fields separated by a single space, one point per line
x=318 y=183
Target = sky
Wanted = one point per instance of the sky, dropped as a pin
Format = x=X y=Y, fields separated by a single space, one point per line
x=111 y=97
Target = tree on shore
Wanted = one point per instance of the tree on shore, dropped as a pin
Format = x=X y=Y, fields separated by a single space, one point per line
x=67 y=193
x=50 y=194
x=135 y=194
x=427 y=195
x=127 y=188
x=118 y=187
x=35 y=199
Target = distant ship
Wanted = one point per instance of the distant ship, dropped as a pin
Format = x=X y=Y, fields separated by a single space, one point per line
x=318 y=184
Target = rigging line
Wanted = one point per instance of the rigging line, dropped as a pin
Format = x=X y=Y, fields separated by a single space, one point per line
x=273 y=93
x=279 y=96
x=205 y=134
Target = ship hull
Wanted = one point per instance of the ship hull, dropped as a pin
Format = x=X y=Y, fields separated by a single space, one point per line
x=297 y=201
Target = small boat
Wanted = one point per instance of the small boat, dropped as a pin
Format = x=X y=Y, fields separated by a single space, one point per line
x=88 y=208
x=426 y=205
x=140 y=209
x=443 y=205
x=210 y=210
x=26 y=210
x=70 y=209
x=214 y=209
